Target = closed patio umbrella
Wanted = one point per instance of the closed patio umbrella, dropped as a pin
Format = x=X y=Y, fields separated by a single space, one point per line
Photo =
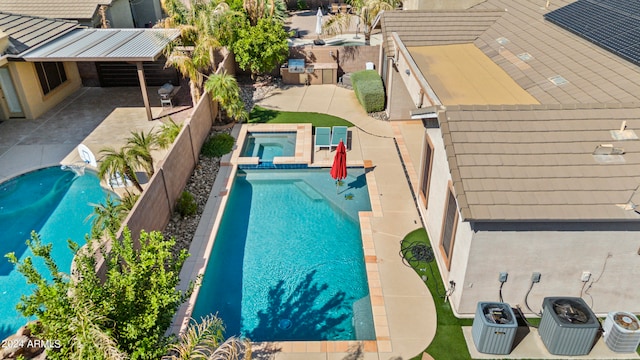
x=319 y=22
x=339 y=168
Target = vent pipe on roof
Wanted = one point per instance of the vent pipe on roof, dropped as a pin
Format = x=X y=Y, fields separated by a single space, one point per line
x=607 y=149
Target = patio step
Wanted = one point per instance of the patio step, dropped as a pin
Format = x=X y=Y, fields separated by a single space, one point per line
x=308 y=190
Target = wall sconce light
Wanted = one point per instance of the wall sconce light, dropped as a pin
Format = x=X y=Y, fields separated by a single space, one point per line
x=407 y=72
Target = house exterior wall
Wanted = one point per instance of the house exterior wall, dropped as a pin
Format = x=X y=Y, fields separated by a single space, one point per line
x=120 y=15
x=560 y=252
x=611 y=256
x=29 y=90
x=146 y=12
x=433 y=216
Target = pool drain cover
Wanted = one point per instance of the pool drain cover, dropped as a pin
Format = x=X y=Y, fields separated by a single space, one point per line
x=285 y=324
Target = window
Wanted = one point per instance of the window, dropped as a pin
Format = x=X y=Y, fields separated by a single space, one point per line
x=449 y=224
x=51 y=75
x=426 y=169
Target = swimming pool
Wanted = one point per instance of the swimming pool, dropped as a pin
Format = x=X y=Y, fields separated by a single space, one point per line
x=267 y=145
x=287 y=262
x=53 y=202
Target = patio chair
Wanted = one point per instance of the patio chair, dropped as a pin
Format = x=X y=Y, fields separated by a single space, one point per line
x=335 y=8
x=338 y=133
x=323 y=138
x=345 y=9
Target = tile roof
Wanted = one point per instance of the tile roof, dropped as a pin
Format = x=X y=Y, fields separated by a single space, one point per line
x=419 y=28
x=536 y=163
x=57 y=9
x=26 y=32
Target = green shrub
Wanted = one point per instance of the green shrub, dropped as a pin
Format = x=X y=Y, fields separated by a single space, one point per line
x=122 y=315
x=218 y=145
x=302 y=5
x=369 y=90
x=186 y=205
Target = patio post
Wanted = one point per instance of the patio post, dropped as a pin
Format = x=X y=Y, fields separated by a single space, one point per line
x=143 y=87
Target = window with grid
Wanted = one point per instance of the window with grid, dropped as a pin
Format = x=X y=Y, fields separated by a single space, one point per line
x=449 y=224
x=426 y=170
x=51 y=75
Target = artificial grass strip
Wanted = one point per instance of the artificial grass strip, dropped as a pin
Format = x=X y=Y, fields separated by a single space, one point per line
x=262 y=115
x=448 y=342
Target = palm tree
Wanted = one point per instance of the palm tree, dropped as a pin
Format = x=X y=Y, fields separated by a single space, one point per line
x=107 y=217
x=205 y=340
x=192 y=54
x=140 y=146
x=115 y=163
x=365 y=11
x=224 y=89
x=260 y=9
x=90 y=341
x=168 y=133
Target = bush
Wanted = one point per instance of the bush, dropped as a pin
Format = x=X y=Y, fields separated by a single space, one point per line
x=218 y=145
x=187 y=204
x=369 y=90
x=125 y=313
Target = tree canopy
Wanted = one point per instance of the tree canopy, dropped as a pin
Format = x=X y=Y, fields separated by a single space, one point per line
x=261 y=48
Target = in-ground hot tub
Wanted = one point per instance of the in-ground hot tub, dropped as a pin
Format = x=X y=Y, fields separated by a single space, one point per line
x=267 y=145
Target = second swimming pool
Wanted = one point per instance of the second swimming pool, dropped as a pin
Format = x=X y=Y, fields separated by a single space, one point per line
x=287 y=262
x=54 y=203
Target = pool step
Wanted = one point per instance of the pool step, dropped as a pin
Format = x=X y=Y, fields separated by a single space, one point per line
x=308 y=190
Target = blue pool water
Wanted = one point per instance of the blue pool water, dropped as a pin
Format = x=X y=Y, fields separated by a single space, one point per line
x=287 y=262
x=54 y=203
x=267 y=145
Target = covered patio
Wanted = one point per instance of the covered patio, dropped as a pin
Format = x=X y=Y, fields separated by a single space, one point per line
x=108 y=45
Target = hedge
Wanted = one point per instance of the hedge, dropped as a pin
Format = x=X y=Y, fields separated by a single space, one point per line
x=369 y=90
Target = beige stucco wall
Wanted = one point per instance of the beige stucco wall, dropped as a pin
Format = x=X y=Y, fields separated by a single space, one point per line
x=119 y=14
x=146 y=11
x=433 y=216
x=561 y=257
x=32 y=99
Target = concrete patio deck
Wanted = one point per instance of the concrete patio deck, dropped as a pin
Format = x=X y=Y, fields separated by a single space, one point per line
x=97 y=117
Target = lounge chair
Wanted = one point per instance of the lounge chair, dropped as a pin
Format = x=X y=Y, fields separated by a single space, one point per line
x=323 y=138
x=338 y=133
x=335 y=8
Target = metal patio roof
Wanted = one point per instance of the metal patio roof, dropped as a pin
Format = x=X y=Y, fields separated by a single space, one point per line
x=132 y=45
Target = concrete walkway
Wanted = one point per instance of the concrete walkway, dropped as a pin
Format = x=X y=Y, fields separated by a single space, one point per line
x=409 y=306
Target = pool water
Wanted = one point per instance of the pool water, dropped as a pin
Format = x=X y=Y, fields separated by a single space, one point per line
x=267 y=145
x=54 y=203
x=287 y=262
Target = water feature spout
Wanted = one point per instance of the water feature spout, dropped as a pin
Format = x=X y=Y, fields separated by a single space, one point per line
x=77 y=168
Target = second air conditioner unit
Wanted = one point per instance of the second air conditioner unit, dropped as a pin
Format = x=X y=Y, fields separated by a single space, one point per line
x=621 y=331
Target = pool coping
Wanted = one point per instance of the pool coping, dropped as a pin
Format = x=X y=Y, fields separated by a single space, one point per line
x=204 y=238
x=302 y=153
